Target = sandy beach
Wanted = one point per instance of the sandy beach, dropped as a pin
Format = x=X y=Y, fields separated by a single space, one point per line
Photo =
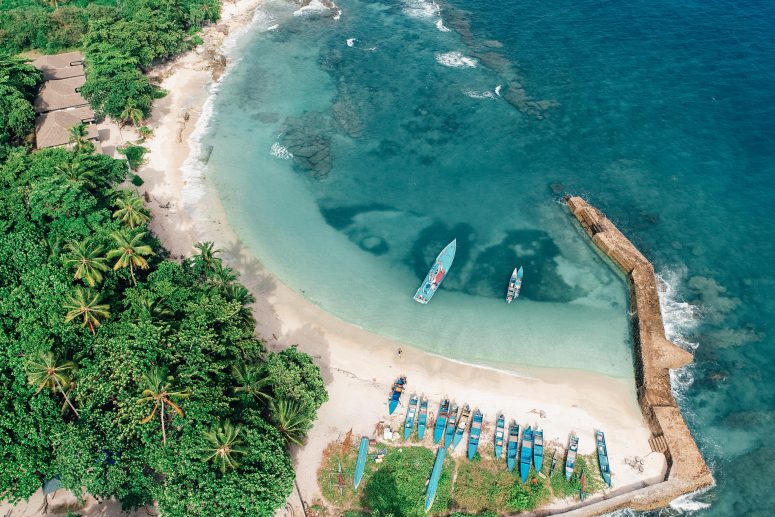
x=359 y=367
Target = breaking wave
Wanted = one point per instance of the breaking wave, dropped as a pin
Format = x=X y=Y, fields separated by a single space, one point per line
x=487 y=94
x=679 y=317
x=455 y=60
x=440 y=25
x=280 y=151
x=421 y=8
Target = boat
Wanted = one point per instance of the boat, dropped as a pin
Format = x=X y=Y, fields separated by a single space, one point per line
x=395 y=394
x=515 y=284
x=422 y=418
x=512 y=446
x=462 y=423
x=602 y=457
x=436 y=274
x=538 y=449
x=360 y=464
x=441 y=421
x=433 y=482
x=449 y=432
x=554 y=462
x=499 y=435
x=526 y=455
x=411 y=414
x=476 y=431
x=570 y=459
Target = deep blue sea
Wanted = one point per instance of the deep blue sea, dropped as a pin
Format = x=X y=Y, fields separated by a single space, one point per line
x=349 y=152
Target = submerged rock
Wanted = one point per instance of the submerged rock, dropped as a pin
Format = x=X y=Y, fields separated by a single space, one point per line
x=308 y=139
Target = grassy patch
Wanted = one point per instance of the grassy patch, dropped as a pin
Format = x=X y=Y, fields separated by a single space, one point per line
x=585 y=464
x=483 y=485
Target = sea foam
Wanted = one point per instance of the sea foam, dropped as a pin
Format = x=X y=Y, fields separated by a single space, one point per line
x=679 y=317
x=280 y=151
x=487 y=94
x=420 y=8
x=455 y=60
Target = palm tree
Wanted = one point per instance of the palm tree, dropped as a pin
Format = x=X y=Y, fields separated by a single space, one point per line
x=159 y=391
x=87 y=260
x=252 y=379
x=78 y=134
x=291 y=420
x=132 y=114
x=224 y=444
x=76 y=172
x=130 y=210
x=222 y=276
x=147 y=306
x=47 y=371
x=207 y=254
x=131 y=252
x=85 y=304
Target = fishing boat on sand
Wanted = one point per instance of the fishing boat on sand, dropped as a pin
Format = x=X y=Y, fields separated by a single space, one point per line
x=462 y=423
x=360 y=464
x=441 y=421
x=449 y=433
x=395 y=394
x=422 y=418
x=570 y=459
x=512 y=446
x=476 y=431
x=602 y=457
x=411 y=414
x=433 y=482
x=538 y=449
x=436 y=275
x=526 y=455
x=499 y=435
x=515 y=284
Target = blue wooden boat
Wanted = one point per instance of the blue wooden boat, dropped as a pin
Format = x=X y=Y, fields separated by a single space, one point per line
x=436 y=275
x=526 y=456
x=513 y=446
x=499 y=436
x=538 y=449
x=411 y=414
x=462 y=423
x=476 y=431
x=570 y=459
x=433 y=482
x=602 y=457
x=360 y=464
x=395 y=394
x=449 y=433
x=422 y=418
x=515 y=284
x=441 y=421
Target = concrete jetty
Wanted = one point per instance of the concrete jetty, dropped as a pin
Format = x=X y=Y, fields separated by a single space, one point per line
x=655 y=356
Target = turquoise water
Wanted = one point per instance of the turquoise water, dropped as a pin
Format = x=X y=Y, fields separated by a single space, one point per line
x=661 y=113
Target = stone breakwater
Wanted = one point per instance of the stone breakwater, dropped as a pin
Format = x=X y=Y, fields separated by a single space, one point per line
x=655 y=356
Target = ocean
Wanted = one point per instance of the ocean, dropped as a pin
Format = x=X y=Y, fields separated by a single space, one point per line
x=349 y=149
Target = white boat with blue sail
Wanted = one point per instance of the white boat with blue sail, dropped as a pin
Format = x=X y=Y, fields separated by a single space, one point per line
x=436 y=275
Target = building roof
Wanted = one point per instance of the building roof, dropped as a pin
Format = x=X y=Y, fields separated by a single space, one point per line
x=60 y=66
x=60 y=94
x=53 y=129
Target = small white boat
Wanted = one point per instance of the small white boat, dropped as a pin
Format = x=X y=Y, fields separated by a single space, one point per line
x=515 y=284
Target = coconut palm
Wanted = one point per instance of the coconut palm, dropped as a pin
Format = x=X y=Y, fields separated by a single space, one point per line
x=207 y=254
x=291 y=419
x=84 y=304
x=87 y=260
x=222 y=276
x=47 y=371
x=130 y=252
x=78 y=134
x=223 y=445
x=130 y=210
x=158 y=390
x=252 y=379
x=77 y=172
x=132 y=114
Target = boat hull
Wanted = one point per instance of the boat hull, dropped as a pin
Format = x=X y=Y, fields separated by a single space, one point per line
x=360 y=464
x=526 y=458
x=499 y=436
x=411 y=414
x=570 y=460
x=433 y=482
x=602 y=458
x=422 y=420
x=436 y=274
x=476 y=431
x=538 y=450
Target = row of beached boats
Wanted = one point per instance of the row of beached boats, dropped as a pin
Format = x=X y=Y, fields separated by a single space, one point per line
x=440 y=268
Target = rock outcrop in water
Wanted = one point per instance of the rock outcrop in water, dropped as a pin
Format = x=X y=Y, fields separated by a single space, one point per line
x=308 y=139
x=655 y=356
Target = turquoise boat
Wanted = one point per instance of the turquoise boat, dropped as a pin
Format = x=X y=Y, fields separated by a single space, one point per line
x=526 y=456
x=360 y=464
x=570 y=459
x=433 y=482
x=411 y=414
x=462 y=423
x=513 y=446
x=422 y=418
x=476 y=431
x=441 y=421
x=515 y=284
x=449 y=433
x=395 y=394
x=538 y=449
x=500 y=427
x=602 y=457
x=436 y=275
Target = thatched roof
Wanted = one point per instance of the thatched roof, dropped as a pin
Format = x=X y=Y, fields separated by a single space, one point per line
x=60 y=66
x=53 y=129
x=60 y=94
